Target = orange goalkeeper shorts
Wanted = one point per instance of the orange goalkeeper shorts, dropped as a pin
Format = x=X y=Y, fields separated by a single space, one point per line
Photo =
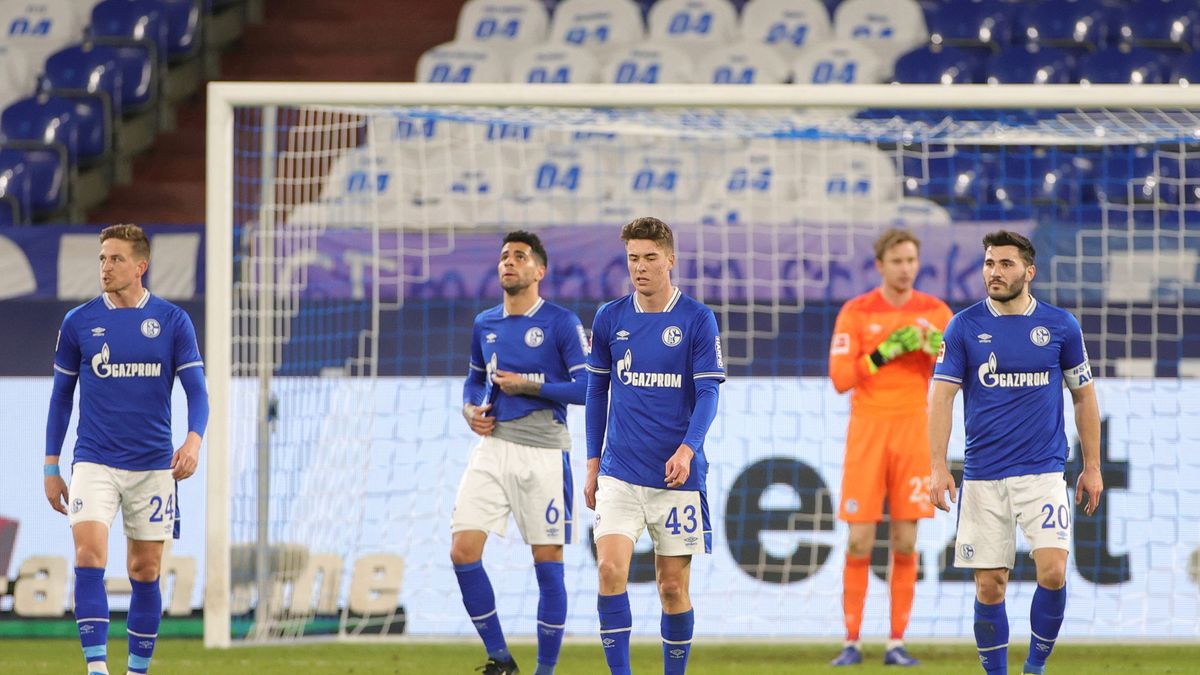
x=886 y=456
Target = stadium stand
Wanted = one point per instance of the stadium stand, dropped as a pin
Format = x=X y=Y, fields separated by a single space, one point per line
x=743 y=63
x=600 y=26
x=788 y=26
x=550 y=64
x=839 y=62
x=649 y=64
x=692 y=27
x=506 y=27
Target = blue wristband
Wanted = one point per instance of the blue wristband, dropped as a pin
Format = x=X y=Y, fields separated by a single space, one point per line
x=50 y=470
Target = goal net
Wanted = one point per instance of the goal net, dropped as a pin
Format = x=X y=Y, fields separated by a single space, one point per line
x=354 y=234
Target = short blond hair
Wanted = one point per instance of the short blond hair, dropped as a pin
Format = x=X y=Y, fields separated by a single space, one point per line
x=133 y=234
x=649 y=228
x=893 y=237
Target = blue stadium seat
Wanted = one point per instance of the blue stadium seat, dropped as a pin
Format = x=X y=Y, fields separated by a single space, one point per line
x=1117 y=66
x=87 y=67
x=1030 y=64
x=15 y=205
x=183 y=28
x=987 y=25
x=936 y=65
x=132 y=19
x=948 y=175
x=1077 y=26
x=1121 y=176
x=47 y=170
x=1186 y=69
x=1174 y=24
x=1032 y=176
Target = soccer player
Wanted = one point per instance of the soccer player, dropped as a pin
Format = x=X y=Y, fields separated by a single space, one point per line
x=1011 y=355
x=125 y=348
x=660 y=354
x=883 y=347
x=527 y=361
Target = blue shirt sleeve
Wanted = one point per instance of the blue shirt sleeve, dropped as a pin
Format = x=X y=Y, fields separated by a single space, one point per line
x=61 y=401
x=707 y=360
x=703 y=413
x=187 y=349
x=572 y=349
x=1073 y=359
x=192 y=380
x=66 y=349
x=596 y=403
x=476 y=373
x=951 y=364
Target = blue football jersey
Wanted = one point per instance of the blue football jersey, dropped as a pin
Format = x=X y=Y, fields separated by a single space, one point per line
x=653 y=360
x=1012 y=369
x=126 y=360
x=545 y=344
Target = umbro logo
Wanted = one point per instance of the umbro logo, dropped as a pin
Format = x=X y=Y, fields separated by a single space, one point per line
x=622 y=335
x=984 y=338
x=490 y=337
x=98 y=332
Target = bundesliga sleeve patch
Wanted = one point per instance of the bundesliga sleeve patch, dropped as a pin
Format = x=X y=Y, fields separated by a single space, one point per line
x=1079 y=375
x=942 y=352
x=841 y=344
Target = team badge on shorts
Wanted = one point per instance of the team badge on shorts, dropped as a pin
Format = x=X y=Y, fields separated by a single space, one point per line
x=851 y=506
x=150 y=328
x=967 y=551
x=534 y=337
x=76 y=505
x=672 y=336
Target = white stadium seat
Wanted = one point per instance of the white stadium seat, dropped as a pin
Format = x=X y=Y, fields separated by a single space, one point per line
x=40 y=28
x=554 y=64
x=845 y=172
x=507 y=26
x=839 y=62
x=649 y=64
x=17 y=76
x=693 y=26
x=787 y=26
x=890 y=27
x=460 y=63
x=599 y=26
x=742 y=63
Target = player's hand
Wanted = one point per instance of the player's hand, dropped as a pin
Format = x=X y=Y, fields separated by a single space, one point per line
x=933 y=342
x=901 y=341
x=942 y=481
x=591 y=483
x=476 y=416
x=515 y=384
x=1091 y=482
x=56 y=492
x=186 y=458
x=679 y=467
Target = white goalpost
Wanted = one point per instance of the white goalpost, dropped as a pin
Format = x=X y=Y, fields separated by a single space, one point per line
x=351 y=233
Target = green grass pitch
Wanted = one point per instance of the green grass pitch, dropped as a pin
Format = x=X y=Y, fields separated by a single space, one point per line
x=179 y=656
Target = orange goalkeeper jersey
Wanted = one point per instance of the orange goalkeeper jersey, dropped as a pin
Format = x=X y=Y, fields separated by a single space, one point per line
x=900 y=387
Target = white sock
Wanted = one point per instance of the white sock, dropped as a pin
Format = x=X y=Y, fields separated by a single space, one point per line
x=892 y=644
x=851 y=643
x=97 y=667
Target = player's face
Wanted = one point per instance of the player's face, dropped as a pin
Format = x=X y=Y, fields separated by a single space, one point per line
x=899 y=266
x=649 y=266
x=1005 y=273
x=119 y=268
x=519 y=267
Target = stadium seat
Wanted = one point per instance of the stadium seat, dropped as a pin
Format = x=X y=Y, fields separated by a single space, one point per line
x=743 y=63
x=506 y=27
x=1077 y=26
x=936 y=65
x=986 y=25
x=788 y=26
x=554 y=64
x=600 y=26
x=15 y=205
x=47 y=170
x=693 y=27
x=17 y=76
x=1186 y=69
x=839 y=62
x=87 y=67
x=1119 y=176
x=949 y=175
x=460 y=63
x=41 y=28
x=839 y=171
x=890 y=27
x=1174 y=24
x=132 y=19
x=1033 y=176
x=649 y=64
x=1030 y=64
x=183 y=28
x=1118 y=66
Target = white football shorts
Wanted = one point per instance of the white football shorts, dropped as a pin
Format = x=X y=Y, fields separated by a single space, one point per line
x=533 y=484
x=677 y=519
x=146 y=499
x=990 y=510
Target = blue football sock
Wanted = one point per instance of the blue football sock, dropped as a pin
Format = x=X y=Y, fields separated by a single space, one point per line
x=1045 y=618
x=91 y=614
x=552 y=614
x=991 y=637
x=616 y=622
x=145 y=613
x=677 y=641
x=480 y=602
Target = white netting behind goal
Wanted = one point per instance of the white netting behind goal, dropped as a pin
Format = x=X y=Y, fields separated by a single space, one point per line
x=367 y=240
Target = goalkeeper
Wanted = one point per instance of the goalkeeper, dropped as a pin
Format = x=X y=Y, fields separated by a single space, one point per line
x=884 y=345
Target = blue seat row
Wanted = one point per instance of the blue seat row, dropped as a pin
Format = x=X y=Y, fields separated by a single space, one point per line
x=1046 y=65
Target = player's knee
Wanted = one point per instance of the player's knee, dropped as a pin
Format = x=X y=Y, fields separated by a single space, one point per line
x=859 y=547
x=903 y=547
x=143 y=569
x=1053 y=577
x=87 y=556
x=672 y=591
x=463 y=555
x=612 y=573
x=990 y=588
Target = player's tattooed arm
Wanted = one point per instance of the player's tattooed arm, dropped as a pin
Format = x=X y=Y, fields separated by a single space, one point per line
x=515 y=384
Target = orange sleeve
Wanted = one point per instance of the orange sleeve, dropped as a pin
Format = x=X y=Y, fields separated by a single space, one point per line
x=846 y=365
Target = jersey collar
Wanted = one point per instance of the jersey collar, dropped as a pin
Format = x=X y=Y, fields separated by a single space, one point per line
x=637 y=307
x=1028 y=310
x=532 y=310
x=140 y=303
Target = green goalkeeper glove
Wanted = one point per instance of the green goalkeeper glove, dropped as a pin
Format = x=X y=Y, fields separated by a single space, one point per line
x=902 y=341
x=933 y=342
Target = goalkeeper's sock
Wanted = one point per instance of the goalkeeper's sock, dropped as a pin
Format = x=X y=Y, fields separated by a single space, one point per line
x=903 y=583
x=854 y=593
x=677 y=641
x=616 y=622
x=480 y=602
x=552 y=614
x=145 y=613
x=1045 y=618
x=991 y=637
x=91 y=617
